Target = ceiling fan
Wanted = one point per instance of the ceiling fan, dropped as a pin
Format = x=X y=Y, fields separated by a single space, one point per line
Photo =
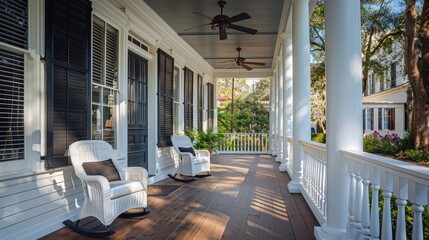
x=223 y=22
x=240 y=61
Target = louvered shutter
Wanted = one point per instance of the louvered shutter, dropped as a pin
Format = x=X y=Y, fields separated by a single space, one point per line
x=380 y=119
x=165 y=98
x=189 y=101
x=13 y=31
x=210 y=103
x=200 y=102
x=68 y=32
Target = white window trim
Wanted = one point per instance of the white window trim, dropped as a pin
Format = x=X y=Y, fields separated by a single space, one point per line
x=34 y=99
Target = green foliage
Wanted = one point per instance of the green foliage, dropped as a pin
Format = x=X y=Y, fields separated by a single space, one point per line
x=390 y=144
x=251 y=114
x=415 y=155
x=205 y=140
x=318 y=137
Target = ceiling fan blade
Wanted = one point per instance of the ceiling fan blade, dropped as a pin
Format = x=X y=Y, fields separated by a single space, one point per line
x=197 y=26
x=202 y=15
x=246 y=67
x=222 y=33
x=239 y=17
x=255 y=63
x=230 y=65
x=243 y=29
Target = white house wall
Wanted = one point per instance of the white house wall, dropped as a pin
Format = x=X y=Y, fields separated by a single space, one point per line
x=35 y=201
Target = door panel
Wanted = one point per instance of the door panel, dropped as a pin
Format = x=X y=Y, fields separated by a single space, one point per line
x=137 y=111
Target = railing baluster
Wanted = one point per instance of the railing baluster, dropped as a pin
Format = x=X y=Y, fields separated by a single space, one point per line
x=418 y=197
x=365 y=204
x=375 y=219
x=350 y=224
x=400 y=190
x=386 y=230
x=357 y=211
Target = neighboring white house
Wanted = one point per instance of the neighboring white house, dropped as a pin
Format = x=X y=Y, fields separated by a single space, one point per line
x=384 y=101
x=82 y=69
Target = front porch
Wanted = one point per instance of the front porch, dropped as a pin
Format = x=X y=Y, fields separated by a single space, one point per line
x=245 y=198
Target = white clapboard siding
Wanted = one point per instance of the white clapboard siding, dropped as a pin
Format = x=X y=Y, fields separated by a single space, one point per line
x=394 y=95
x=166 y=161
x=38 y=203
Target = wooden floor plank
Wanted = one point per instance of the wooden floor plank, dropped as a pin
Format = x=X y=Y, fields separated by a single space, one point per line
x=245 y=198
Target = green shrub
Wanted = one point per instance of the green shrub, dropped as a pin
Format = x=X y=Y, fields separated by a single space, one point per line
x=318 y=137
x=389 y=144
x=205 y=140
x=415 y=155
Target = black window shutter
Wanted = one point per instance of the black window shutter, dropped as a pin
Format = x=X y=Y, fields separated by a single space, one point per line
x=380 y=119
x=189 y=100
x=165 y=98
x=200 y=102
x=68 y=37
x=210 y=103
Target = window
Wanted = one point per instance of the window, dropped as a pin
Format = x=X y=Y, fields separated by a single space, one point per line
x=386 y=118
x=14 y=31
x=176 y=101
x=105 y=44
x=165 y=98
x=369 y=119
x=189 y=99
x=68 y=38
x=392 y=75
x=200 y=102
x=210 y=103
x=372 y=85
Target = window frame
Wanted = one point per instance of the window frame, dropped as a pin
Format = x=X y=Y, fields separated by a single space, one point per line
x=103 y=85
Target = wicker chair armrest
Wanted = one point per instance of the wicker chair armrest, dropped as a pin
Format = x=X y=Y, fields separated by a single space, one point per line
x=136 y=174
x=98 y=185
x=186 y=157
x=202 y=153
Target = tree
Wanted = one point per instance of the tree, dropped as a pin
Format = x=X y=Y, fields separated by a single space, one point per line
x=382 y=24
x=417 y=66
x=224 y=88
x=262 y=89
x=318 y=95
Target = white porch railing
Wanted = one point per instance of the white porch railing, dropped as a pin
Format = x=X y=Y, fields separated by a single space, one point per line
x=314 y=178
x=245 y=143
x=372 y=173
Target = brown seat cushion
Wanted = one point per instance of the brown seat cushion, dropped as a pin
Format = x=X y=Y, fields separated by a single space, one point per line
x=104 y=168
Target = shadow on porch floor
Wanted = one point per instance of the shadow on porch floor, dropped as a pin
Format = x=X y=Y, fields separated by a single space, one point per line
x=245 y=198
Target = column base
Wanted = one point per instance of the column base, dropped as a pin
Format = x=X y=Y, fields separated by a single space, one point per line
x=278 y=159
x=283 y=167
x=329 y=233
x=294 y=187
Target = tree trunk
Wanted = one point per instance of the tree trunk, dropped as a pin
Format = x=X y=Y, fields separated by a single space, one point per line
x=418 y=73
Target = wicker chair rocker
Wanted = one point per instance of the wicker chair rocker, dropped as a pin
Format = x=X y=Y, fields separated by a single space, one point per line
x=109 y=191
x=192 y=161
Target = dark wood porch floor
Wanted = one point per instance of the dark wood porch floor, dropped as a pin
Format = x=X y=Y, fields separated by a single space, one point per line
x=245 y=198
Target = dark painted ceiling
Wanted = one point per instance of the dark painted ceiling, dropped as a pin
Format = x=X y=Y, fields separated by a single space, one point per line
x=265 y=17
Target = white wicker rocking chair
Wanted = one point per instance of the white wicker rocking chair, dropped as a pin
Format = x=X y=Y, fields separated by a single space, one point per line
x=190 y=165
x=103 y=199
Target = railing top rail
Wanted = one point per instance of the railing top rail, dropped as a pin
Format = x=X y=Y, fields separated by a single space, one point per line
x=244 y=133
x=320 y=146
x=402 y=169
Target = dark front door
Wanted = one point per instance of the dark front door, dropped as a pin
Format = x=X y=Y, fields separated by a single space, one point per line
x=137 y=111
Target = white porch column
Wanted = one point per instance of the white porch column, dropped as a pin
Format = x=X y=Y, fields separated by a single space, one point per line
x=281 y=109
x=344 y=107
x=276 y=112
x=301 y=87
x=272 y=107
x=287 y=99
